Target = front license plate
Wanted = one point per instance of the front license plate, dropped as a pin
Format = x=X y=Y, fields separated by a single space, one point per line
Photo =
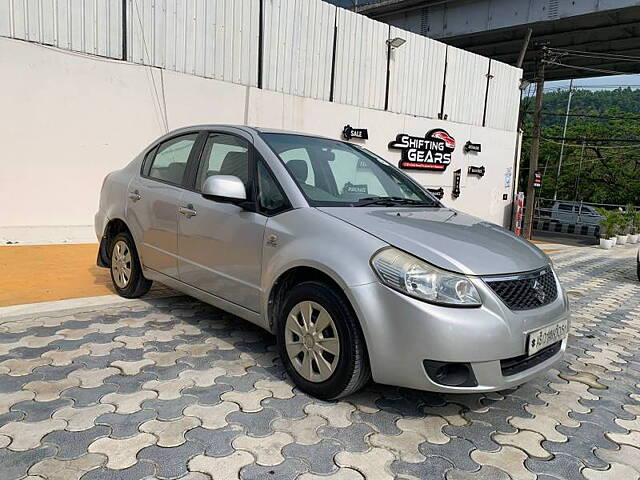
x=546 y=336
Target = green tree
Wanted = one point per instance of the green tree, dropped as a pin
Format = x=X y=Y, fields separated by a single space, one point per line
x=607 y=169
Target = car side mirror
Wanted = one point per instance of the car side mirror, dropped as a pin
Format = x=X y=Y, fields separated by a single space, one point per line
x=224 y=188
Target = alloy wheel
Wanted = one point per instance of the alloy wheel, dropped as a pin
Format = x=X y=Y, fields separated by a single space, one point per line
x=121 y=264
x=311 y=340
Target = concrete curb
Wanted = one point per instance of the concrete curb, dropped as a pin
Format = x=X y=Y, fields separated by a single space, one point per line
x=15 y=312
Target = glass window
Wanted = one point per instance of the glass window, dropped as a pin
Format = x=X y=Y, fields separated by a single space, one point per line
x=334 y=173
x=224 y=155
x=271 y=200
x=566 y=207
x=170 y=160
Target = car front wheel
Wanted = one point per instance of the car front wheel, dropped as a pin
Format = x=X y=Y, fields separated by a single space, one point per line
x=126 y=272
x=320 y=342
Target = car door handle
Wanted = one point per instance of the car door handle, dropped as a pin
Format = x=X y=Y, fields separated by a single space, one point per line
x=135 y=196
x=188 y=211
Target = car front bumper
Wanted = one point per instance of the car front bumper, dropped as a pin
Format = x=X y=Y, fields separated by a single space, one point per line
x=402 y=332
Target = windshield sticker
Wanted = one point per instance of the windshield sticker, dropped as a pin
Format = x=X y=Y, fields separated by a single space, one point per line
x=433 y=152
x=351 y=188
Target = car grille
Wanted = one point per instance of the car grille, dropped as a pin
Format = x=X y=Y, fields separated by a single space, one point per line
x=519 y=364
x=525 y=291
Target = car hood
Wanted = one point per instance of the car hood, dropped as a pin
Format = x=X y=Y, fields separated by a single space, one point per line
x=445 y=238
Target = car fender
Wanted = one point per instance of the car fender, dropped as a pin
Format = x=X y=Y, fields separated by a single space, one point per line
x=307 y=237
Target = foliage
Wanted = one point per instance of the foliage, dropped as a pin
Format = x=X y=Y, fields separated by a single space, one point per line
x=608 y=222
x=606 y=170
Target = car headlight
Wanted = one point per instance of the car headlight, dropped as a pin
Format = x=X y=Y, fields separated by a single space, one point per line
x=418 y=279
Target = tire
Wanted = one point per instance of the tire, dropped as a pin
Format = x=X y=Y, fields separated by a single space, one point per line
x=350 y=367
x=123 y=256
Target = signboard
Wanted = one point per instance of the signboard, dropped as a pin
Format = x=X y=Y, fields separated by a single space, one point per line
x=476 y=171
x=349 y=132
x=456 y=183
x=519 y=210
x=431 y=152
x=355 y=188
x=437 y=192
x=507 y=177
x=472 y=147
x=537 y=179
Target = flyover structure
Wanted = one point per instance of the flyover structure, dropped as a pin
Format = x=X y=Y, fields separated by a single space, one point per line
x=585 y=38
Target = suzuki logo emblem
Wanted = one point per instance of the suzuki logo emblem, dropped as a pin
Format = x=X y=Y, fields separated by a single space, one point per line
x=538 y=290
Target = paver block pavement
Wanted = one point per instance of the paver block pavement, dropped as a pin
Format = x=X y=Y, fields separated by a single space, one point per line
x=172 y=388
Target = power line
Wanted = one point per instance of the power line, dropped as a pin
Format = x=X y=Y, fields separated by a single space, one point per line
x=588 y=69
x=602 y=55
x=586 y=115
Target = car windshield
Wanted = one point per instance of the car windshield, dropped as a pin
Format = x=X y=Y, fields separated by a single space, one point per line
x=338 y=174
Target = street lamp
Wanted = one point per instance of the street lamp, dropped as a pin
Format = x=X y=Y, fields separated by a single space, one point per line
x=392 y=44
x=396 y=42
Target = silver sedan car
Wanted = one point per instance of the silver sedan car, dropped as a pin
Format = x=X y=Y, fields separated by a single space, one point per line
x=359 y=271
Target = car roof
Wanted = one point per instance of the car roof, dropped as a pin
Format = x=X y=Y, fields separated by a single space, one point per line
x=246 y=128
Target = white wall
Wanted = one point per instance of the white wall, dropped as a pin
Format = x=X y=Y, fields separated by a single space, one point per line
x=68 y=119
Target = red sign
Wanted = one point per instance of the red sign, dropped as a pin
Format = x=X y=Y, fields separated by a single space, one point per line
x=519 y=211
x=537 y=179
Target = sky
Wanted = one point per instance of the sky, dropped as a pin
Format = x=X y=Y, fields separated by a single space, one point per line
x=599 y=83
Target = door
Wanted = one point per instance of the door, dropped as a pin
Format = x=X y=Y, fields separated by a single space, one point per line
x=220 y=244
x=152 y=203
x=589 y=216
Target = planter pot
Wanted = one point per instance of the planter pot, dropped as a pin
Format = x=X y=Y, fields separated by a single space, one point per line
x=622 y=239
x=606 y=243
x=633 y=238
x=614 y=240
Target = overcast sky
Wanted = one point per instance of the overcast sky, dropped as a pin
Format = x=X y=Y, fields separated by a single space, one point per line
x=599 y=82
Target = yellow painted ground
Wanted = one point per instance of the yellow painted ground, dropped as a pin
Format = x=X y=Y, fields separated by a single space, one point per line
x=42 y=273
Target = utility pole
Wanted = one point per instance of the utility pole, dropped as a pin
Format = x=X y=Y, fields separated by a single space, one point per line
x=564 y=135
x=535 y=148
x=575 y=195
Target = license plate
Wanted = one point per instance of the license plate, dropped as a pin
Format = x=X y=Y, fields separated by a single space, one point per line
x=546 y=336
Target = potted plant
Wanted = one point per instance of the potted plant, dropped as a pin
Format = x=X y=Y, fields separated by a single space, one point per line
x=633 y=219
x=608 y=227
x=622 y=223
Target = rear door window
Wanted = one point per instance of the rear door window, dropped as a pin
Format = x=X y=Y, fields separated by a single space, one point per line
x=170 y=160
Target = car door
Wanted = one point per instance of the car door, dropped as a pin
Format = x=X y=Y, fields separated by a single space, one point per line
x=219 y=243
x=152 y=203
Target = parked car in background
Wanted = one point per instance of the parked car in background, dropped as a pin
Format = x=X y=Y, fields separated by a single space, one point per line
x=575 y=213
x=357 y=269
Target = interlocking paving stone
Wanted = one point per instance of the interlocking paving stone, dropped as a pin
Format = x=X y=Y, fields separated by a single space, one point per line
x=125 y=425
x=16 y=464
x=207 y=395
x=457 y=451
x=218 y=442
x=290 y=469
x=85 y=397
x=38 y=411
x=561 y=465
x=141 y=470
x=74 y=444
x=121 y=453
x=199 y=389
x=221 y=468
x=353 y=438
x=170 y=409
x=171 y=462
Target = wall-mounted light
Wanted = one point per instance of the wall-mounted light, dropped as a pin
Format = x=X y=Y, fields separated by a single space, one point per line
x=524 y=84
x=396 y=42
x=392 y=44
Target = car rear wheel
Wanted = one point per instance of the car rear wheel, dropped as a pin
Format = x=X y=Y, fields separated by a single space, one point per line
x=320 y=342
x=126 y=272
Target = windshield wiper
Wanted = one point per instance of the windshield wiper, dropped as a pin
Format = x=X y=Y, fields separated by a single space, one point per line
x=391 y=202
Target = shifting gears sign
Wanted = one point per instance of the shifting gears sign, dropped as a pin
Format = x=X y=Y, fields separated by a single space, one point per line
x=431 y=152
